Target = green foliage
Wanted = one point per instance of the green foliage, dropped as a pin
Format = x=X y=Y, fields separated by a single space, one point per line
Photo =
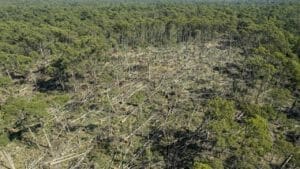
x=280 y=98
x=15 y=62
x=199 y=165
x=3 y=139
x=261 y=68
x=5 y=81
x=256 y=144
x=220 y=109
x=221 y=115
x=251 y=110
x=58 y=68
x=62 y=45
x=258 y=134
x=19 y=113
x=15 y=108
x=209 y=163
x=296 y=159
x=295 y=66
x=60 y=99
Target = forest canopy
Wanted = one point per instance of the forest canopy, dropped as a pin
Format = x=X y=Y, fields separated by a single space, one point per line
x=149 y=84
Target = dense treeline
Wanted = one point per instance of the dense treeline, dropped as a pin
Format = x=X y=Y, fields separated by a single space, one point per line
x=85 y=30
x=53 y=47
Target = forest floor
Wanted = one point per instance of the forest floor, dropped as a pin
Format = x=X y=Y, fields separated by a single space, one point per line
x=118 y=101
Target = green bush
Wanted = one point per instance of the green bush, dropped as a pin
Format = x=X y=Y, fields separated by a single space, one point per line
x=258 y=135
x=5 y=81
x=3 y=139
x=29 y=108
x=199 y=165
